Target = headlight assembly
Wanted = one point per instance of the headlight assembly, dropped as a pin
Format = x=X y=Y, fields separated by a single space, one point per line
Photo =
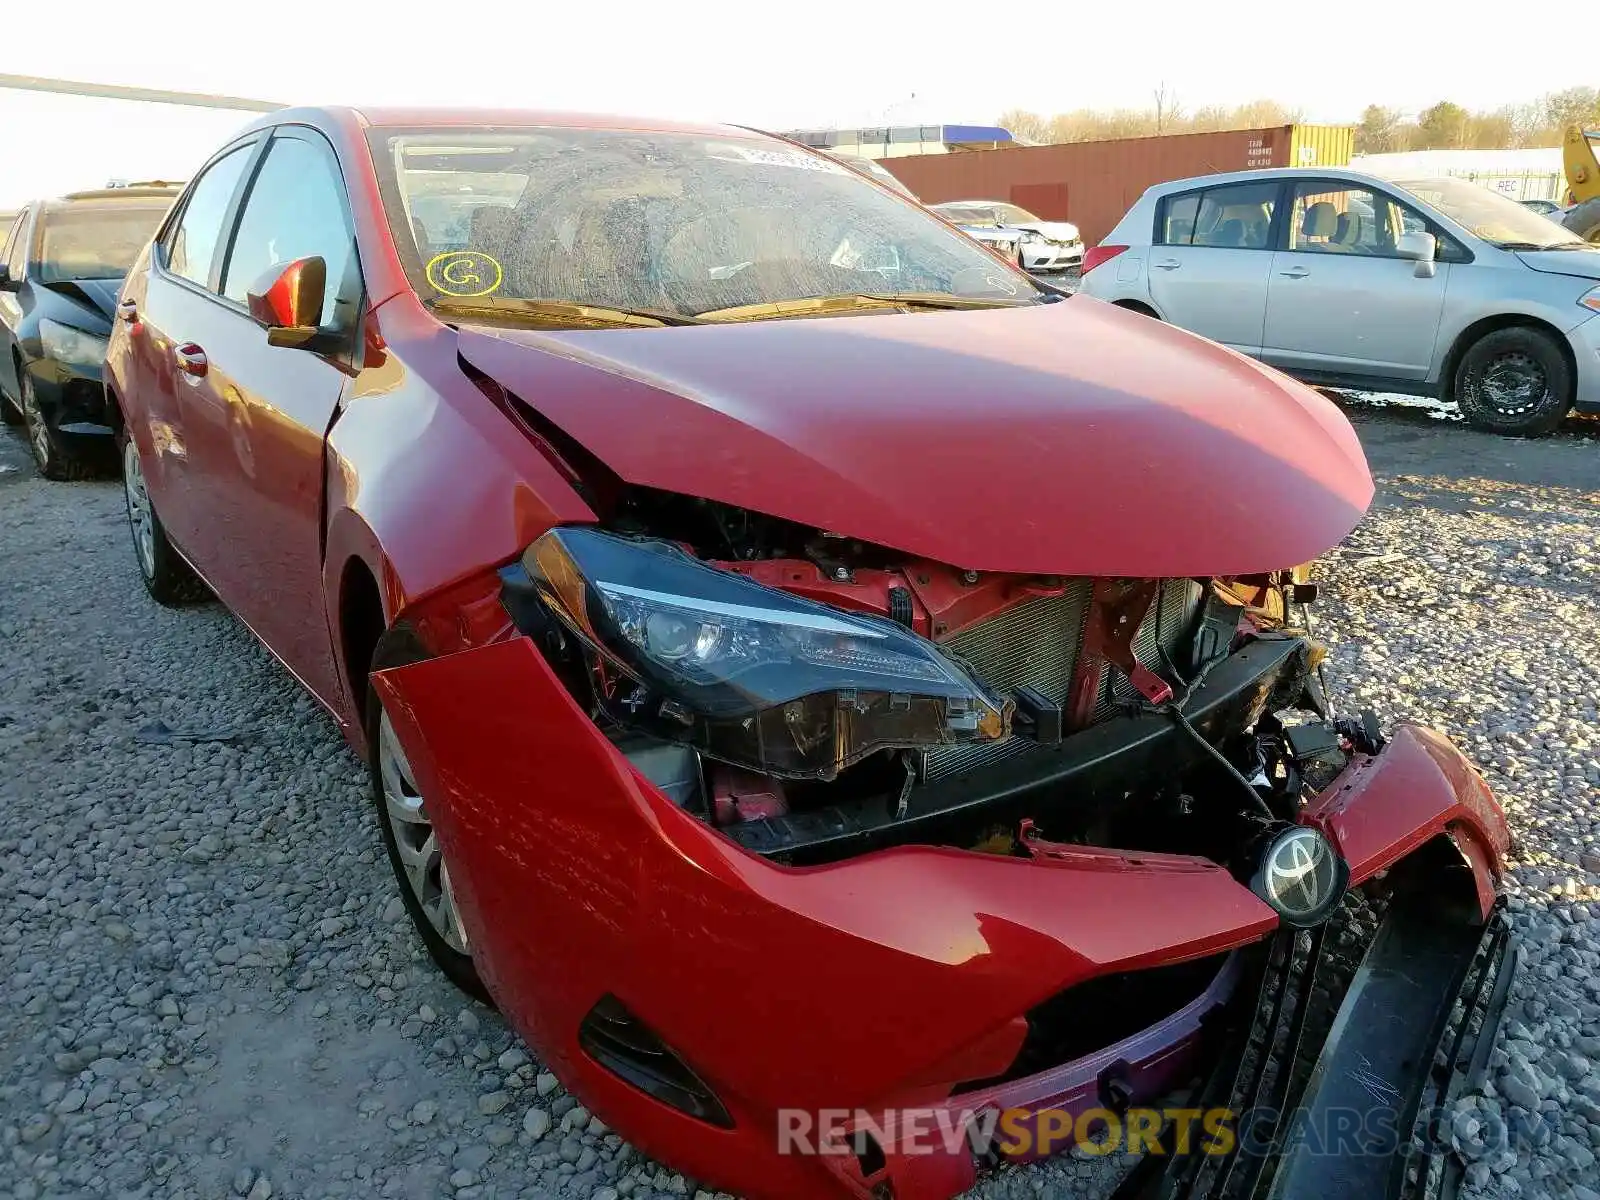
x=1591 y=299
x=746 y=673
x=66 y=344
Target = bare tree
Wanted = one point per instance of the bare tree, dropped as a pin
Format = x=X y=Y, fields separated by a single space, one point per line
x=1168 y=110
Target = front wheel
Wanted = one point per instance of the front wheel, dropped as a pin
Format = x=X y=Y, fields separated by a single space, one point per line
x=54 y=461
x=412 y=843
x=1514 y=381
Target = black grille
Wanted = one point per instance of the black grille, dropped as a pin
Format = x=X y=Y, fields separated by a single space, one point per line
x=1037 y=644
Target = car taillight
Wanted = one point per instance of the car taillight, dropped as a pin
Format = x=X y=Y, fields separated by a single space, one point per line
x=1095 y=255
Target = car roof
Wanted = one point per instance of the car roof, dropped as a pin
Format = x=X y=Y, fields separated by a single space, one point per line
x=381 y=117
x=1268 y=174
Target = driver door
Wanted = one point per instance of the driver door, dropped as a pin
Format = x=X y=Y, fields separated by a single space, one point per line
x=257 y=429
x=1342 y=302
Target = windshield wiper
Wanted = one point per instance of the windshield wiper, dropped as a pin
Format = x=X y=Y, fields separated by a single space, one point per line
x=545 y=312
x=858 y=300
x=1541 y=245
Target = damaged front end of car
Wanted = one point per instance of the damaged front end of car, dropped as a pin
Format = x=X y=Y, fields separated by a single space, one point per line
x=751 y=819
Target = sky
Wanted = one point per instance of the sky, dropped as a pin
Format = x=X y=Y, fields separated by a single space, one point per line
x=778 y=66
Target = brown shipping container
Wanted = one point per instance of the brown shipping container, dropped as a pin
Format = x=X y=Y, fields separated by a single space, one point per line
x=1093 y=183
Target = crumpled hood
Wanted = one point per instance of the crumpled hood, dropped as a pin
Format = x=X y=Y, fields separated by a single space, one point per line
x=1584 y=262
x=1073 y=438
x=1058 y=231
x=100 y=295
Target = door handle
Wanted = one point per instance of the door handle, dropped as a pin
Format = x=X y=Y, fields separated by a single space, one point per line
x=128 y=311
x=1167 y=264
x=191 y=360
x=1295 y=273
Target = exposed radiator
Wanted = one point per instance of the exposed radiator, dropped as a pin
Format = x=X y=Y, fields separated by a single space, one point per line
x=1037 y=644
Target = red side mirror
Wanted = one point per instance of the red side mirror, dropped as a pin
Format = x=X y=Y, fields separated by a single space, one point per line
x=290 y=296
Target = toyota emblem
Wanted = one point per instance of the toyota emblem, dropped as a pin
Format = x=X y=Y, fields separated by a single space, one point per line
x=1301 y=876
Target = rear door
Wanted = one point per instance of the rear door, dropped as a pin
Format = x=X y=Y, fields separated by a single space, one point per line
x=170 y=314
x=1342 y=302
x=257 y=426
x=1211 y=257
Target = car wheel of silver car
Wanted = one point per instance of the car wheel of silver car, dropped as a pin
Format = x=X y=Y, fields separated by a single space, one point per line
x=167 y=577
x=1514 y=381
x=418 y=860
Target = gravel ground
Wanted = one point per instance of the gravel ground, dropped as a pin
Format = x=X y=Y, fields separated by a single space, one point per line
x=208 y=986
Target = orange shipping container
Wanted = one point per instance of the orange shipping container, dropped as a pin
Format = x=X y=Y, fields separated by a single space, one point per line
x=1093 y=183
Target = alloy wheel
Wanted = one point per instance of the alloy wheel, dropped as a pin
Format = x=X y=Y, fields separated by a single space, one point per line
x=416 y=841
x=1514 y=384
x=38 y=433
x=141 y=517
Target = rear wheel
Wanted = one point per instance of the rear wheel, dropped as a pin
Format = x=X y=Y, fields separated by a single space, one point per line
x=1514 y=381
x=166 y=576
x=412 y=843
x=54 y=461
x=1584 y=220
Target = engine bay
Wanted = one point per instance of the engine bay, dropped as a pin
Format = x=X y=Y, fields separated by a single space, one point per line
x=1182 y=717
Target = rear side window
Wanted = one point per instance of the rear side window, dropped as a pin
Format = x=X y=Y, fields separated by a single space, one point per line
x=192 y=244
x=296 y=210
x=1234 y=216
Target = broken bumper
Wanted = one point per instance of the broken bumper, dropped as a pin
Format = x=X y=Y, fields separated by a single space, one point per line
x=872 y=985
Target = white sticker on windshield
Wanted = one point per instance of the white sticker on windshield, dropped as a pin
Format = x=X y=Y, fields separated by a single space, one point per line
x=775 y=157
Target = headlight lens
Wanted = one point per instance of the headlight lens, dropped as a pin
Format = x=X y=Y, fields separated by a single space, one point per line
x=1591 y=299
x=748 y=674
x=66 y=344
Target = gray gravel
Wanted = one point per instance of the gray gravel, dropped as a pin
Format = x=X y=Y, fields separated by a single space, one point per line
x=208 y=987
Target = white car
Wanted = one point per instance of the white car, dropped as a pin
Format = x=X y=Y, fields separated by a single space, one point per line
x=1437 y=287
x=1046 y=245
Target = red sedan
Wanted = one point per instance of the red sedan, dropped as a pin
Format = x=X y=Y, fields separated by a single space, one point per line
x=822 y=685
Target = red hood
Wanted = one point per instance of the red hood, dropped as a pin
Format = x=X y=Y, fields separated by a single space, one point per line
x=1062 y=439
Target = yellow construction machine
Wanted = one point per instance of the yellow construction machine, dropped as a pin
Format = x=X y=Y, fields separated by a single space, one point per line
x=1582 y=166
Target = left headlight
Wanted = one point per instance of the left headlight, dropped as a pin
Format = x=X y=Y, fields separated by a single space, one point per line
x=746 y=673
x=66 y=344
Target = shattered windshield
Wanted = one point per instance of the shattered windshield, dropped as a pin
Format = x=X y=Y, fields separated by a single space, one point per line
x=83 y=241
x=1490 y=215
x=658 y=223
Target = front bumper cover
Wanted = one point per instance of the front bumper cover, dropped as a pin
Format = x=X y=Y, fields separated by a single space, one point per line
x=71 y=398
x=872 y=984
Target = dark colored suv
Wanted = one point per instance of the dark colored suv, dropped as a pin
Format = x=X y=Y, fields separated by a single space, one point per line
x=60 y=272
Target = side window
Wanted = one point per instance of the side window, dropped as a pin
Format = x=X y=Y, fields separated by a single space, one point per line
x=296 y=209
x=1177 y=220
x=1235 y=216
x=191 y=244
x=1327 y=219
x=17 y=247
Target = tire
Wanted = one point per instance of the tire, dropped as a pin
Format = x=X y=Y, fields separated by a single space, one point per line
x=432 y=910
x=168 y=579
x=1584 y=220
x=1514 y=381
x=53 y=460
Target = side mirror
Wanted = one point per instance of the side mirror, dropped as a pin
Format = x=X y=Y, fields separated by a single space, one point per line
x=288 y=301
x=1422 y=248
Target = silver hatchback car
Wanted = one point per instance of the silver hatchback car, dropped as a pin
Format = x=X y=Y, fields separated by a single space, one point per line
x=1435 y=286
